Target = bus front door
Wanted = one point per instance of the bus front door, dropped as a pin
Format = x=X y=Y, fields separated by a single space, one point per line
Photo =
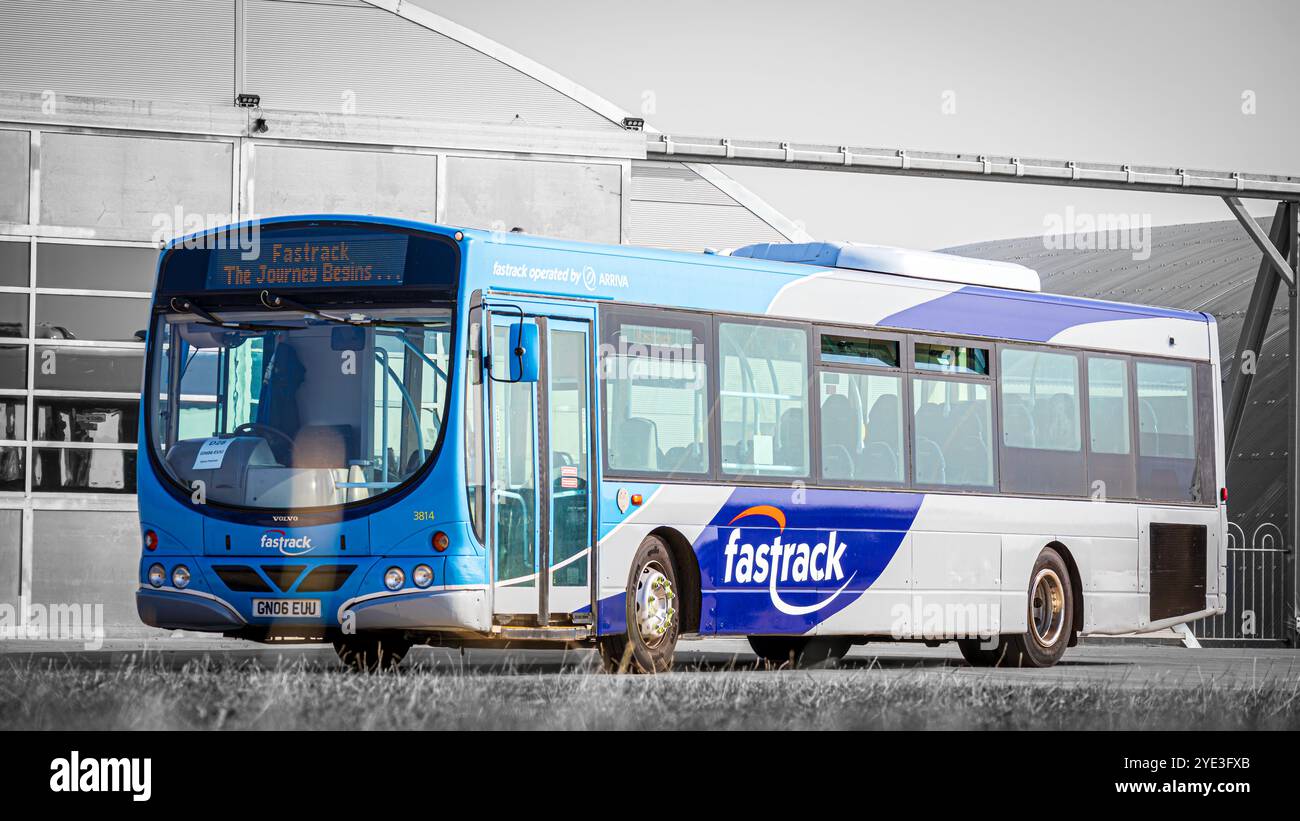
x=541 y=464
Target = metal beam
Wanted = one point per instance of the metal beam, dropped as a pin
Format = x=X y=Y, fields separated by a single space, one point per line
x=1266 y=245
x=1253 y=330
x=971 y=166
x=1289 y=585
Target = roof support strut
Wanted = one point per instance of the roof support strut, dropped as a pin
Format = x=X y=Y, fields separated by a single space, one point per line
x=1272 y=254
x=1255 y=326
x=1280 y=263
x=1290 y=610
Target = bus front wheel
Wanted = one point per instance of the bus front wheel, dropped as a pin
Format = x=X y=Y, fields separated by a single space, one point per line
x=1050 y=617
x=652 y=607
x=371 y=654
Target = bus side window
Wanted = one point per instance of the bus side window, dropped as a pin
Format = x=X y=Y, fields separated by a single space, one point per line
x=654 y=380
x=764 y=408
x=952 y=432
x=862 y=427
x=1111 y=465
x=1042 y=443
x=1167 y=464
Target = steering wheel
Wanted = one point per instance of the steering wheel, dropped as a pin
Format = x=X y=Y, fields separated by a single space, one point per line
x=261 y=430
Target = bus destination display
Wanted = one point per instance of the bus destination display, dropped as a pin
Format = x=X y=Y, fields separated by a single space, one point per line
x=318 y=262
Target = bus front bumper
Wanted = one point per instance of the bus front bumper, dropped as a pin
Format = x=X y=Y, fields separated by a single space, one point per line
x=173 y=609
x=424 y=610
x=457 y=610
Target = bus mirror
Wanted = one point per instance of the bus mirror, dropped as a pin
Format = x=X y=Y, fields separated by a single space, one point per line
x=348 y=338
x=523 y=352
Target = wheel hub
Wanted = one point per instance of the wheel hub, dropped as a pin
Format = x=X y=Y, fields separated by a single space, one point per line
x=655 y=604
x=1047 y=608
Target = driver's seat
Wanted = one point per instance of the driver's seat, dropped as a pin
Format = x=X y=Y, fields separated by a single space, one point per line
x=319 y=446
x=325 y=447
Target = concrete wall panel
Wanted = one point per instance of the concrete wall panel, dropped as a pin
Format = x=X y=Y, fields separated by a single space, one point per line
x=15 y=150
x=89 y=558
x=292 y=180
x=579 y=201
x=126 y=183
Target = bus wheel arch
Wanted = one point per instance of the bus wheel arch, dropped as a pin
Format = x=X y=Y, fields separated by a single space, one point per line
x=653 y=607
x=1076 y=589
x=688 y=570
x=1053 y=617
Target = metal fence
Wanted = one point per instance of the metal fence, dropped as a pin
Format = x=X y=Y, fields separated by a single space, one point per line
x=1256 y=610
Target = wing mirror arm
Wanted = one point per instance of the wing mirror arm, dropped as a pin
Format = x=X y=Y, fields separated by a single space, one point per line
x=524 y=354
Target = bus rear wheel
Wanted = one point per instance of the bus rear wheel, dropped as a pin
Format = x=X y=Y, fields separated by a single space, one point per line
x=799 y=651
x=653 y=614
x=371 y=654
x=1050 y=617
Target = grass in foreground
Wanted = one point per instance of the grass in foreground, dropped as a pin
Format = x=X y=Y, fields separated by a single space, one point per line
x=211 y=694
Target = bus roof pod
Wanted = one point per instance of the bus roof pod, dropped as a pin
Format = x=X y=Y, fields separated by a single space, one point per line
x=900 y=261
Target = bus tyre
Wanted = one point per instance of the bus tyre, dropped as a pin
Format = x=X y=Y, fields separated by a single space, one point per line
x=799 y=651
x=978 y=653
x=371 y=654
x=653 y=614
x=1051 y=615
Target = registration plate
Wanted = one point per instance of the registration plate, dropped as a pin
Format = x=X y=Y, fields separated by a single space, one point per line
x=286 y=608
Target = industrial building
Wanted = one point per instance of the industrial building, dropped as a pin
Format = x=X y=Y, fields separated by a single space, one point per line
x=126 y=123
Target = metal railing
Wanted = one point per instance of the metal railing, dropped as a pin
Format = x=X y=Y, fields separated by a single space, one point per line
x=1256 y=595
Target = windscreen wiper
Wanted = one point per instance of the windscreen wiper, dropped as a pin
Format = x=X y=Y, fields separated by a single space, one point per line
x=278 y=302
x=184 y=305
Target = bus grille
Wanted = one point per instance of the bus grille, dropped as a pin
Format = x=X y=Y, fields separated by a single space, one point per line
x=241 y=579
x=326 y=579
x=1177 y=569
x=284 y=575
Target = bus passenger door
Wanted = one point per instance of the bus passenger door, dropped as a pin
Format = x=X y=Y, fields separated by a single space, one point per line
x=568 y=442
x=541 y=463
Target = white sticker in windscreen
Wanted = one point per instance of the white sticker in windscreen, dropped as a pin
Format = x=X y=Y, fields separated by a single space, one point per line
x=211 y=454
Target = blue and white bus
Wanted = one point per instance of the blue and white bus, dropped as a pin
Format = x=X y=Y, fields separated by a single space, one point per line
x=380 y=433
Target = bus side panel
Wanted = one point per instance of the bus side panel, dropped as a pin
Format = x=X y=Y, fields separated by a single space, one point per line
x=771 y=561
x=898 y=564
x=684 y=508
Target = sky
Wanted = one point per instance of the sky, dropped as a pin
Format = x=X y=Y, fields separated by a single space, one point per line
x=1192 y=84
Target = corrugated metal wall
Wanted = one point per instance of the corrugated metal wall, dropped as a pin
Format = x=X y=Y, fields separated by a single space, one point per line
x=673 y=207
x=325 y=57
x=142 y=49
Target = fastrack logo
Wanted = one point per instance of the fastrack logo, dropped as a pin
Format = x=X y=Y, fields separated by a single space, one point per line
x=286 y=544
x=784 y=562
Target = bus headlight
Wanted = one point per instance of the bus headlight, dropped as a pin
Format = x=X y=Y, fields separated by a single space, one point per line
x=157 y=575
x=180 y=577
x=422 y=575
x=394 y=578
